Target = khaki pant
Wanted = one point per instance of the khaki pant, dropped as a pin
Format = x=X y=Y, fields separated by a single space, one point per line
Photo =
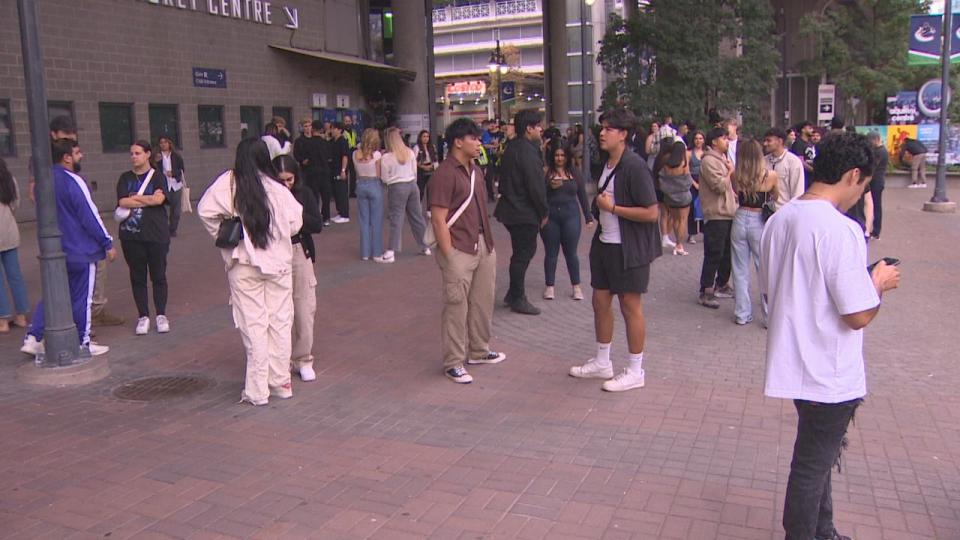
x=918 y=169
x=304 y=309
x=263 y=312
x=468 y=290
x=99 y=290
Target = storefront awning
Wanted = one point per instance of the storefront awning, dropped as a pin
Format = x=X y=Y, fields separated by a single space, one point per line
x=346 y=59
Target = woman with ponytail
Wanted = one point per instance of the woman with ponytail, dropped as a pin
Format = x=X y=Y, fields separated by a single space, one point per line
x=260 y=267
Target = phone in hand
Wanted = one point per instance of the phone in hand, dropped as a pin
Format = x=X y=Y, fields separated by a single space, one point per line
x=890 y=261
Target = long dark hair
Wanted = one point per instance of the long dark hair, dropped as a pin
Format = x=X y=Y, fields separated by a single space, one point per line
x=8 y=190
x=552 y=159
x=677 y=156
x=286 y=163
x=428 y=148
x=250 y=200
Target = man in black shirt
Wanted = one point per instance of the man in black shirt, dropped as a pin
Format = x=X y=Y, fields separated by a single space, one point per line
x=523 y=203
x=340 y=153
x=877 y=184
x=804 y=149
x=308 y=151
x=918 y=158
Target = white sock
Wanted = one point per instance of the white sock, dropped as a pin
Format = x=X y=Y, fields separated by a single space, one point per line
x=603 y=353
x=636 y=362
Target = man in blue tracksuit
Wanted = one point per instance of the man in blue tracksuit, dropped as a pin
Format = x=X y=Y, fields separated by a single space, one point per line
x=84 y=239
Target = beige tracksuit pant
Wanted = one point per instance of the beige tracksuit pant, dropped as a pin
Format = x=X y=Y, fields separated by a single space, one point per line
x=263 y=312
x=304 y=309
x=468 y=290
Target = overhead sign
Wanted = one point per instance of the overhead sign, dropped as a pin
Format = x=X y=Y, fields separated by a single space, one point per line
x=257 y=11
x=466 y=87
x=826 y=99
x=343 y=101
x=926 y=40
x=209 y=78
x=508 y=90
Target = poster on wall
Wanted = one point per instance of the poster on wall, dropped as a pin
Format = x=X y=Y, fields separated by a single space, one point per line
x=902 y=109
x=929 y=135
x=895 y=137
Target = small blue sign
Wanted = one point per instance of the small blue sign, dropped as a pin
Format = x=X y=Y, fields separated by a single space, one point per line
x=209 y=78
x=508 y=90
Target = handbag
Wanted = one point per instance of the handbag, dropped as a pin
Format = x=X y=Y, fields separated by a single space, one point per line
x=230 y=232
x=121 y=214
x=430 y=236
x=594 y=208
x=767 y=210
x=186 y=206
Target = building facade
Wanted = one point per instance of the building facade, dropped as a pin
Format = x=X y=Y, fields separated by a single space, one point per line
x=208 y=73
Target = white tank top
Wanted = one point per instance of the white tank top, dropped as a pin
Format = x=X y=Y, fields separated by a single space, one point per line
x=366 y=169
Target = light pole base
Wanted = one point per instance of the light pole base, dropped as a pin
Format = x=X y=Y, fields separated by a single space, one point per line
x=92 y=370
x=940 y=207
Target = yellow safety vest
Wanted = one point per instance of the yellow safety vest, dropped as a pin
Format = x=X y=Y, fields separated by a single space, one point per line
x=351 y=138
x=483 y=159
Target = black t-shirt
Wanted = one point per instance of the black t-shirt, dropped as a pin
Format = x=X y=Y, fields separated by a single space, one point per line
x=857 y=212
x=148 y=224
x=338 y=148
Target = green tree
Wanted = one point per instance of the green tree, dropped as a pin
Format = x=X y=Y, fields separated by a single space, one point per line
x=685 y=57
x=862 y=48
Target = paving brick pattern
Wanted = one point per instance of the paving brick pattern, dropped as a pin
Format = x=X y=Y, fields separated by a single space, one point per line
x=382 y=446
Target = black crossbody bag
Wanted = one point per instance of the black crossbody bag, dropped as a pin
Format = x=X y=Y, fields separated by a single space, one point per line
x=594 y=208
x=230 y=232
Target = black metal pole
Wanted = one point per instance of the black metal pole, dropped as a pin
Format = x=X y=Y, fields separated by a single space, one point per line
x=431 y=64
x=940 y=188
x=586 y=105
x=61 y=342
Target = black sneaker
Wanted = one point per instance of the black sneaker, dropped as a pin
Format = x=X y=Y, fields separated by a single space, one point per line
x=458 y=375
x=489 y=358
x=525 y=307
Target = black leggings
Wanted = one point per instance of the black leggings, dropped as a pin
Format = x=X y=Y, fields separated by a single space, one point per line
x=144 y=257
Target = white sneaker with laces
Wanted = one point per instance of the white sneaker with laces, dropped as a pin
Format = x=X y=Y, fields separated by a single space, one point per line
x=666 y=242
x=389 y=256
x=340 y=219
x=426 y=252
x=163 y=324
x=97 y=349
x=31 y=346
x=143 y=326
x=307 y=374
x=625 y=380
x=592 y=370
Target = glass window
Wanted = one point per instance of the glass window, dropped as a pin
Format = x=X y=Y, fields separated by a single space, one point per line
x=251 y=122
x=116 y=126
x=164 y=120
x=287 y=114
x=6 y=129
x=210 y=119
x=573 y=38
x=60 y=108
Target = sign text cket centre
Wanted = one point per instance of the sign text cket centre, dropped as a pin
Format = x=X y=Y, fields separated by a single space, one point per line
x=258 y=11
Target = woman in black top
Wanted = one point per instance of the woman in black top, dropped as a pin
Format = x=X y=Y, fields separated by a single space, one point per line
x=145 y=234
x=426 y=161
x=566 y=199
x=304 y=278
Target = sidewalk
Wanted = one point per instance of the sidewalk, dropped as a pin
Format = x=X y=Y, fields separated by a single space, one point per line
x=383 y=446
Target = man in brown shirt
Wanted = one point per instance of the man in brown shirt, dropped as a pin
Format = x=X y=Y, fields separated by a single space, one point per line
x=465 y=254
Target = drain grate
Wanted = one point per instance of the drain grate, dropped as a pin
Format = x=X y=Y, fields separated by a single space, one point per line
x=160 y=388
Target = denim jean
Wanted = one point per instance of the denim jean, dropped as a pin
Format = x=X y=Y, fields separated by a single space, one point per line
x=370 y=208
x=745 y=240
x=821 y=436
x=10 y=270
x=561 y=230
x=404 y=200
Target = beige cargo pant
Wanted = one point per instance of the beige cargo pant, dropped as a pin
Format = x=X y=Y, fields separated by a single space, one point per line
x=304 y=309
x=263 y=312
x=468 y=290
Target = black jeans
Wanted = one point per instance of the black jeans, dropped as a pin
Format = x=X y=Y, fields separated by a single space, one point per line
x=821 y=431
x=876 y=193
x=562 y=230
x=341 y=189
x=323 y=189
x=523 y=239
x=142 y=257
x=174 y=209
x=716 y=253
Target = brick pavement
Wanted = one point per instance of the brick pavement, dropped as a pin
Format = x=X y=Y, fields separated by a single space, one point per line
x=382 y=446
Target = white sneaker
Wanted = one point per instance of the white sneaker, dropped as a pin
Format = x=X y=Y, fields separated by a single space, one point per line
x=143 y=326
x=96 y=349
x=625 y=380
x=922 y=185
x=592 y=370
x=339 y=219
x=913 y=186
x=383 y=260
x=31 y=346
x=666 y=242
x=549 y=293
x=426 y=252
x=389 y=256
x=307 y=374
x=163 y=324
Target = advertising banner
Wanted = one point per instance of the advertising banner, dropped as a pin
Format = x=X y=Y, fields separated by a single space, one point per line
x=903 y=109
x=926 y=40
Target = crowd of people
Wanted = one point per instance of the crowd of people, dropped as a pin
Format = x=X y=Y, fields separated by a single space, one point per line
x=798 y=211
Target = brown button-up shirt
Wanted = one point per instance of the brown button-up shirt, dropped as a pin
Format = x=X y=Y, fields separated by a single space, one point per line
x=448 y=188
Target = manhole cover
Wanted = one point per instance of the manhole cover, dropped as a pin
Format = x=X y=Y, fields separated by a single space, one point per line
x=158 y=388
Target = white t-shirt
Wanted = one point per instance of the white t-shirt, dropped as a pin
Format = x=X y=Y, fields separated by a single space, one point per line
x=732 y=150
x=609 y=223
x=394 y=172
x=813 y=269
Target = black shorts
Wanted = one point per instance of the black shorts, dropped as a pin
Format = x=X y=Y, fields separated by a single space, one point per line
x=607 y=273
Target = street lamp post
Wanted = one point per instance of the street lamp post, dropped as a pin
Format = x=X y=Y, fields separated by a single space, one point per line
x=61 y=343
x=498 y=67
x=939 y=201
x=586 y=70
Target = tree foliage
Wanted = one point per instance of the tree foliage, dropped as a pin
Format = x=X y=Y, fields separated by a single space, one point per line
x=862 y=48
x=685 y=57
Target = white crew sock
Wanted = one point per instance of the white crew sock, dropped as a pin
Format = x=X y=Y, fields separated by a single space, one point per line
x=603 y=354
x=636 y=362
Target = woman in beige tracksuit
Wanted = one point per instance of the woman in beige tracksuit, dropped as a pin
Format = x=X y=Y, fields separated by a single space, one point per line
x=259 y=269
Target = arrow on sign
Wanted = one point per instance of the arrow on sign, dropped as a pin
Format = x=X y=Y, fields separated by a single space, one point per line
x=293 y=16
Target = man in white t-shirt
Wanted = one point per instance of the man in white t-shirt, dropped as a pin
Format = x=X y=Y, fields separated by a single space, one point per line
x=813 y=271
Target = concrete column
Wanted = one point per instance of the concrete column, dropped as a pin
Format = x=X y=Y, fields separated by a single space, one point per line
x=410 y=51
x=556 y=72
